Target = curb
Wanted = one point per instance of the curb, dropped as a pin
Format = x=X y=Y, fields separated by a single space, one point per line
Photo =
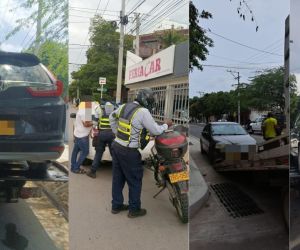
x=199 y=198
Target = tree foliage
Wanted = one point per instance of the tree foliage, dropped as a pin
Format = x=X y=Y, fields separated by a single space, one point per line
x=265 y=92
x=199 y=42
x=171 y=37
x=54 y=20
x=54 y=55
x=102 y=59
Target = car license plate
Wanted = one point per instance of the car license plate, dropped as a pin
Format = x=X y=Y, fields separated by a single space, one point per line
x=7 y=128
x=179 y=176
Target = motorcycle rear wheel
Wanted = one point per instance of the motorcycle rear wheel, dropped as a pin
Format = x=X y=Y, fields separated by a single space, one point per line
x=181 y=203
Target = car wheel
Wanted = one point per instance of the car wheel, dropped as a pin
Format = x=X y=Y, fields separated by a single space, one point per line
x=251 y=130
x=201 y=148
x=211 y=156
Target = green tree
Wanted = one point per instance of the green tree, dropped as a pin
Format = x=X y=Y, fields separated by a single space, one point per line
x=50 y=18
x=102 y=59
x=199 y=42
x=54 y=55
x=265 y=91
x=171 y=37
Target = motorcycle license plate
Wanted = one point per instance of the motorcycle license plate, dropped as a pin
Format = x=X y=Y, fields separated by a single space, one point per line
x=179 y=176
x=7 y=128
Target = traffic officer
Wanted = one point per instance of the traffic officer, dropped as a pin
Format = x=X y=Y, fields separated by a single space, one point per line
x=269 y=127
x=132 y=123
x=105 y=136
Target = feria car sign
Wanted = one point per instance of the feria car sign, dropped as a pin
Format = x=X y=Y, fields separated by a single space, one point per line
x=159 y=64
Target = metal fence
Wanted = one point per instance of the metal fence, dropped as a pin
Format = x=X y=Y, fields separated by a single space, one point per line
x=172 y=101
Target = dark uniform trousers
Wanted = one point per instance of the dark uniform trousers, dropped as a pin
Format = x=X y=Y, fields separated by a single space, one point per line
x=105 y=137
x=127 y=167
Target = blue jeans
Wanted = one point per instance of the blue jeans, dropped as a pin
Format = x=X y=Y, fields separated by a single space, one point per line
x=105 y=137
x=81 y=147
x=127 y=167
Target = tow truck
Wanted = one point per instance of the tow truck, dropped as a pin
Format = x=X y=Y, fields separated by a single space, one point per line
x=272 y=156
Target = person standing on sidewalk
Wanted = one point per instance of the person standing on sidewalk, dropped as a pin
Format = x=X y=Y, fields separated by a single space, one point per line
x=105 y=135
x=131 y=123
x=81 y=141
x=269 y=127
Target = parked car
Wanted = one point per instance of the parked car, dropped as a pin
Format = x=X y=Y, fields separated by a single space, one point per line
x=32 y=111
x=219 y=137
x=255 y=126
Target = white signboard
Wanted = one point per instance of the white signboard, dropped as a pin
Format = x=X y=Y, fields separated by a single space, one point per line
x=159 y=64
x=102 y=80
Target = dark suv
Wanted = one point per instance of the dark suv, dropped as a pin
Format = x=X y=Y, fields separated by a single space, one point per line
x=32 y=111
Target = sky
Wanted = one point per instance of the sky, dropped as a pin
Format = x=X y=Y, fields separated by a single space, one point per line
x=295 y=40
x=10 y=11
x=79 y=19
x=269 y=16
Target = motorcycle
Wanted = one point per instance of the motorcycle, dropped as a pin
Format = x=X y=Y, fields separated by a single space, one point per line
x=170 y=169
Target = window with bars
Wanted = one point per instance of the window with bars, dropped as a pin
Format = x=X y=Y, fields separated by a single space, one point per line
x=171 y=102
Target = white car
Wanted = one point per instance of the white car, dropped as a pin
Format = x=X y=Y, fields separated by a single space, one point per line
x=255 y=127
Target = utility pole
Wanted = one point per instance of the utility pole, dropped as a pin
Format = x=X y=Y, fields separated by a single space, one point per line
x=38 y=27
x=123 y=22
x=286 y=73
x=238 y=89
x=137 y=39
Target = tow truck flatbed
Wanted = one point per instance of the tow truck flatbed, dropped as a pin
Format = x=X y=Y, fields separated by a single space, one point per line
x=271 y=155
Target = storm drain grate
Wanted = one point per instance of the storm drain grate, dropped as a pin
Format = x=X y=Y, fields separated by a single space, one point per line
x=236 y=202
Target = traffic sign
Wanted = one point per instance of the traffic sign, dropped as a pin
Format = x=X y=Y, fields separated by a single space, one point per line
x=102 y=80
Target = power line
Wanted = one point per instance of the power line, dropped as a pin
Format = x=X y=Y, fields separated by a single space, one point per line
x=88 y=31
x=241 y=44
x=150 y=23
x=234 y=60
x=92 y=10
x=232 y=67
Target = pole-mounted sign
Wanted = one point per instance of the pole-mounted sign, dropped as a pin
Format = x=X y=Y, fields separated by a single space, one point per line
x=102 y=81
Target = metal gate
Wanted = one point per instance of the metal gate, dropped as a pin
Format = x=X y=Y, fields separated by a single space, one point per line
x=172 y=102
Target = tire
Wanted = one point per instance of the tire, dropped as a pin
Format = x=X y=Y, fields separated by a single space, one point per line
x=251 y=130
x=181 y=203
x=211 y=156
x=201 y=148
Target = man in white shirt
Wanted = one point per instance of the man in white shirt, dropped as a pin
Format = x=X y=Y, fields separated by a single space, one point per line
x=81 y=141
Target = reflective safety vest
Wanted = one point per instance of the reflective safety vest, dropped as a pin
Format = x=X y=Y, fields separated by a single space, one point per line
x=104 y=121
x=126 y=116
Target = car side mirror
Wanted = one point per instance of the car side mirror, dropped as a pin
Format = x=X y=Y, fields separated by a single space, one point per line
x=73 y=115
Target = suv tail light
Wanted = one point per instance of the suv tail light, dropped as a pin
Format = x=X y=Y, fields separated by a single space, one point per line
x=47 y=91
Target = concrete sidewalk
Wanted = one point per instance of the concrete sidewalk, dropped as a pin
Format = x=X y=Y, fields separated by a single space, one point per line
x=199 y=191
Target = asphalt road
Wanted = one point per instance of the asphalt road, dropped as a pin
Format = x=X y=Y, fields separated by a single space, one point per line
x=92 y=226
x=20 y=229
x=213 y=228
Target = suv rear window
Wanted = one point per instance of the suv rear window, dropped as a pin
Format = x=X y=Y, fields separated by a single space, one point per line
x=22 y=68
